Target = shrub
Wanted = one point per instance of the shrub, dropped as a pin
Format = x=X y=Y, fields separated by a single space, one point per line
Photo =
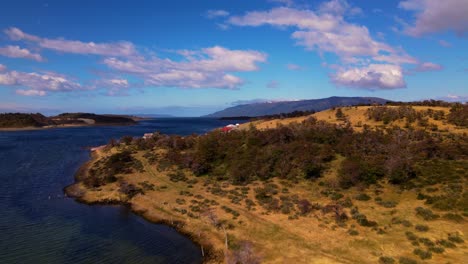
x=423 y=254
x=362 y=197
x=405 y=260
x=411 y=235
x=437 y=250
x=178 y=176
x=426 y=214
x=446 y=243
x=422 y=228
x=386 y=260
x=353 y=232
x=454 y=217
x=455 y=238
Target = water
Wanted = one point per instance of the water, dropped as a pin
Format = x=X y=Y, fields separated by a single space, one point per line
x=39 y=225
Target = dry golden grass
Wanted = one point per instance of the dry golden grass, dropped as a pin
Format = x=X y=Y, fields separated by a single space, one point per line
x=357 y=117
x=315 y=238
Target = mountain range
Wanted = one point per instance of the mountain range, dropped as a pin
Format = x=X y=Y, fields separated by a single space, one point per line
x=274 y=108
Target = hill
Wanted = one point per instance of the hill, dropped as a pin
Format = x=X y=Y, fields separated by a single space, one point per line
x=274 y=108
x=13 y=121
x=376 y=184
x=19 y=120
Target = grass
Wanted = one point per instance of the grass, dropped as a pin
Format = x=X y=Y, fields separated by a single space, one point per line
x=285 y=222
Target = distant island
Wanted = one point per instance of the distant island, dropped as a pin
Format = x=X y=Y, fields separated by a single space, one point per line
x=354 y=184
x=21 y=121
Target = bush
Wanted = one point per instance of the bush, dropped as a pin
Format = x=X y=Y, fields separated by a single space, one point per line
x=178 y=176
x=455 y=238
x=405 y=260
x=426 y=214
x=362 y=197
x=422 y=228
x=423 y=254
x=353 y=232
x=386 y=260
x=454 y=217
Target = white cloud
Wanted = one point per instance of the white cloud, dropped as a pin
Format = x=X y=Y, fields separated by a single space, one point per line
x=203 y=68
x=326 y=31
x=428 y=66
x=216 y=13
x=2 y=67
x=122 y=48
x=39 y=84
x=437 y=16
x=372 y=77
x=339 y=7
x=30 y=92
x=18 y=52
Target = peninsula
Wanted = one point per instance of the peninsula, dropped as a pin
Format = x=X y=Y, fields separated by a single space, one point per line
x=23 y=121
x=360 y=184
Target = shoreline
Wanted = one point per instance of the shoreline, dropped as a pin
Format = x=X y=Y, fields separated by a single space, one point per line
x=15 y=129
x=74 y=191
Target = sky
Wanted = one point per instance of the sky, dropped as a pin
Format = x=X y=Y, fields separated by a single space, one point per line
x=190 y=58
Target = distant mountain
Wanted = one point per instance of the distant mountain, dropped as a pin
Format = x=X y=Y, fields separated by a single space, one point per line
x=273 y=108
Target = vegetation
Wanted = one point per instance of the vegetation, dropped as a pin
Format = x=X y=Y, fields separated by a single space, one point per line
x=324 y=190
x=20 y=120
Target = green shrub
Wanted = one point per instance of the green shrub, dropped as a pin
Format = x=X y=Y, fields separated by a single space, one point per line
x=435 y=249
x=353 y=232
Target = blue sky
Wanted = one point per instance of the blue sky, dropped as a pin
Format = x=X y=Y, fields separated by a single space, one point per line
x=190 y=58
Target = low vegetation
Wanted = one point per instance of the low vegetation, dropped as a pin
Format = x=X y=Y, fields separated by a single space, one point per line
x=317 y=190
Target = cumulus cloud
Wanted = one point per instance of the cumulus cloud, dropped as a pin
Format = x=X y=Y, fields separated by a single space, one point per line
x=374 y=76
x=2 y=67
x=433 y=16
x=216 y=13
x=122 y=48
x=211 y=67
x=38 y=84
x=325 y=30
x=18 y=52
x=203 y=68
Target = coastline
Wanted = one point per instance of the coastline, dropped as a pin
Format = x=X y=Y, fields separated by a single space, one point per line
x=13 y=129
x=77 y=192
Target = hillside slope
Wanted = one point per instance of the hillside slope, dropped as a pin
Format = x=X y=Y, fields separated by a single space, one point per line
x=273 y=108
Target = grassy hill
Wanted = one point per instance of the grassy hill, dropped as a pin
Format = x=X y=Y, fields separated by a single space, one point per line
x=357 y=117
x=315 y=189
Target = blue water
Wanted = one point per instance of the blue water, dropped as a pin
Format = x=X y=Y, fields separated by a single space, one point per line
x=39 y=225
